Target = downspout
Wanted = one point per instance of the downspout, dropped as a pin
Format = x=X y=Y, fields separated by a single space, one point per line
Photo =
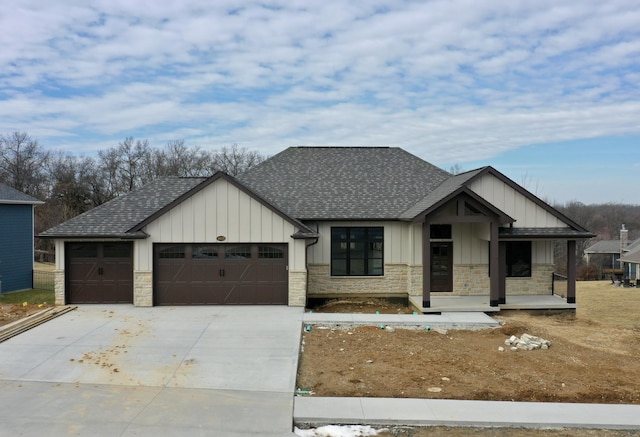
x=306 y=265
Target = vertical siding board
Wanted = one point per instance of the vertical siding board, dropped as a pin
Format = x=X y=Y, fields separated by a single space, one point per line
x=244 y=218
x=189 y=230
x=232 y=213
x=16 y=246
x=222 y=201
x=526 y=212
x=210 y=212
x=200 y=203
x=278 y=228
x=256 y=225
x=266 y=221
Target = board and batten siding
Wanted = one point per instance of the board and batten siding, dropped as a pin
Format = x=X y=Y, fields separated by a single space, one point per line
x=398 y=241
x=16 y=247
x=527 y=213
x=219 y=210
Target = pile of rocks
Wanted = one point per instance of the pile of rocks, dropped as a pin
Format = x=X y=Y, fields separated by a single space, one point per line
x=526 y=342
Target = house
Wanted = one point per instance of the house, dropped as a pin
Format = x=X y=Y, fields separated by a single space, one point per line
x=16 y=239
x=622 y=257
x=316 y=222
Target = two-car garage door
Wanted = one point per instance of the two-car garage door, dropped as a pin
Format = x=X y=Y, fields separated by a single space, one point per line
x=201 y=274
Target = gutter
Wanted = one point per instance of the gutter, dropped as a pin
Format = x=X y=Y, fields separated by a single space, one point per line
x=306 y=264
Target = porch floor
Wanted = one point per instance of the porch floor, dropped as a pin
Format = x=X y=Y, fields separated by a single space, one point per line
x=481 y=303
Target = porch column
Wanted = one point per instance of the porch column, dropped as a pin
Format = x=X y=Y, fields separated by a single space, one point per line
x=571 y=271
x=502 y=269
x=494 y=269
x=426 y=264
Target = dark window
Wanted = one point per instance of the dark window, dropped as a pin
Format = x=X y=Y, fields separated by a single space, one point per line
x=238 y=252
x=440 y=232
x=357 y=251
x=518 y=259
x=270 y=252
x=204 y=252
x=169 y=252
x=116 y=250
x=83 y=250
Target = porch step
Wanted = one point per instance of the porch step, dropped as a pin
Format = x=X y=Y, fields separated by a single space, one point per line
x=441 y=304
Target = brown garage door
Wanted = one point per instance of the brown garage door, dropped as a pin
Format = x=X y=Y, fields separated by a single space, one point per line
x=99 y=272
x=208 y=274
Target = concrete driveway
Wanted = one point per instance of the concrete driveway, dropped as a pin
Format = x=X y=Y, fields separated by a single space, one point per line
x=123 y=371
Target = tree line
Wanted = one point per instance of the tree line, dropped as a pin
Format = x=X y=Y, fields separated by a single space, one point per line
x=70 y=185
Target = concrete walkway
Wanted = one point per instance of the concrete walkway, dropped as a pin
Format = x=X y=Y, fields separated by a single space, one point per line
x=122 y=371
x=319 y=411
x=447 y=320
x=430 y=412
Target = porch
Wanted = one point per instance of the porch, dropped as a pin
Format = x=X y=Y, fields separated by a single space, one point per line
x=481 y=303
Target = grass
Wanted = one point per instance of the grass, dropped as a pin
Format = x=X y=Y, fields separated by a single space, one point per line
x=34 y=296
x=606 y=304
x=45 y=267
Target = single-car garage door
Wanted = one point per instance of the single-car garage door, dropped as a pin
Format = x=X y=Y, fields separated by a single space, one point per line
x=99 y=272
x=205 y=274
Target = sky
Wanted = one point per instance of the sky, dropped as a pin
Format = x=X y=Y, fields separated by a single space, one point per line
x=547 y=92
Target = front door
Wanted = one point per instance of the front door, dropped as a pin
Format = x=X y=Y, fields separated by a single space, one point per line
x=442 y=266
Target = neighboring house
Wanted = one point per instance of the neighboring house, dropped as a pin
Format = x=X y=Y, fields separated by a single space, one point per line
x=316 y=222
x=622 y=255
x=16 y=239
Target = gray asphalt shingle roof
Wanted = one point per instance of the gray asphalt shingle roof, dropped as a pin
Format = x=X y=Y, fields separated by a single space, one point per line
x=353 y=183
x=443 y=190
x=116 y=217
x=11 y=195
x=301 y=183
x=611 y=246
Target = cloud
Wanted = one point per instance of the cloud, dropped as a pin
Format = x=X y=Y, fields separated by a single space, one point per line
x=455 y=80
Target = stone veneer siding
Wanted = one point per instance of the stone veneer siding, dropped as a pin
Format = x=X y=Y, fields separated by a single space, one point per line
x=297 y=288
x=470 y=280
x=142 y=288
x=473 y=280
x=415 y=280
x=538 y=283
x=395 y=282
x=58 y=287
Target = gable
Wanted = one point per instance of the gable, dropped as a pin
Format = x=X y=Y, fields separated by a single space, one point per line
x=527 y=212
x=220 y=209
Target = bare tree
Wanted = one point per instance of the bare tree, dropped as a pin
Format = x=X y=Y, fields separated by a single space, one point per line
x=132 y=158
x=234 y=160
x=456 y=169
x=22 y=163
x=179 y=160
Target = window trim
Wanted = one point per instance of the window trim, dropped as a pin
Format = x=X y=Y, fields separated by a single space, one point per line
x=367 y=240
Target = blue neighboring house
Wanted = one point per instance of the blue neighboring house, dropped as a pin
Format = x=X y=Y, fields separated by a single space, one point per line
x=16 y=239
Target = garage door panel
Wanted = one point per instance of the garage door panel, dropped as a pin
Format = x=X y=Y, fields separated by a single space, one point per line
x=99 y=272
x=238 y=274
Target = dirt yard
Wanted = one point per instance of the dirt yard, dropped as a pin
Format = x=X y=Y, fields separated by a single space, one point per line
x=594 y=356
x=11 y=312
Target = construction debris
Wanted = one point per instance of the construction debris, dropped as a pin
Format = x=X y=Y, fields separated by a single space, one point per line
x=527 y=342
x=22 y=325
